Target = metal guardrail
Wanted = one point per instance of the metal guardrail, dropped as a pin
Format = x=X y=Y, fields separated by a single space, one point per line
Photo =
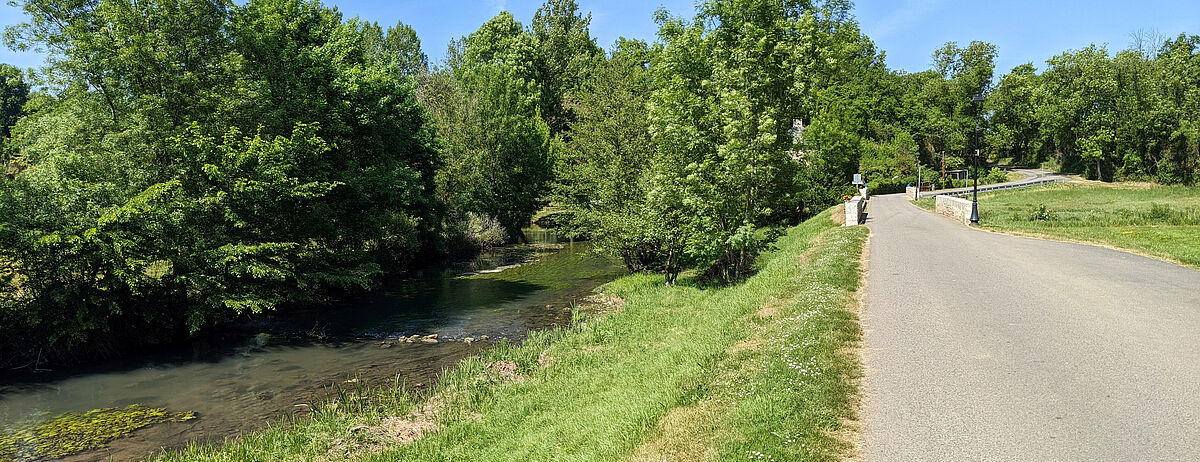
x=1000 y=187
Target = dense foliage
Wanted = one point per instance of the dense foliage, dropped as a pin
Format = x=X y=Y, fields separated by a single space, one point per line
x=14 y=93
x=695 y=152
x=486 y=99
x=179 y=163
x=205 y=161
x=1134 y=115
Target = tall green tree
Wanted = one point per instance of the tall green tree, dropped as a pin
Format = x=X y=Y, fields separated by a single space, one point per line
x=403 y=45
x=145 y=212
x=14 y=92
x=731 y=85
x=159 y=60
x=305 y=64
x=1015 y=131
x=601 y=173
x=945 y=120
x=565 y=53
x=1179 y=73
x=486 y=104
x=1110 y=117
x=1080 y=120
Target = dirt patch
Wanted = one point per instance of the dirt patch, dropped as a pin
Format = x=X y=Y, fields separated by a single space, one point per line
x=746 y=345
x=850 y=431
x=506 y=370
x=772 y=307
x=602 y=303
x=755 y=340
x=406 y=430
x=545 y=359
x=390 y=431
x=839 y=214
x=686 y=433
x=342 y=449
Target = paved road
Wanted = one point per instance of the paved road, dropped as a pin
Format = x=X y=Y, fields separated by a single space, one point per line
x=1032 y=177
x=981 y=346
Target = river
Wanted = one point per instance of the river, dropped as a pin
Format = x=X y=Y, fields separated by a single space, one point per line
x=274 y=367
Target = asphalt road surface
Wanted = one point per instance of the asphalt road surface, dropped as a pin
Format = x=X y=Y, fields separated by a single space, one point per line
x=982 y=346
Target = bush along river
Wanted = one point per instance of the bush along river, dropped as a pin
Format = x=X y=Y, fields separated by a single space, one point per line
x=272 y=368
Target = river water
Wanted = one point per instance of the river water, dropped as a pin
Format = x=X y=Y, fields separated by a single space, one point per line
x=274 y=367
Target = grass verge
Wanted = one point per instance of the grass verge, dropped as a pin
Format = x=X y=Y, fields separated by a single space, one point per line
x=764 y=370
x=1153 y=220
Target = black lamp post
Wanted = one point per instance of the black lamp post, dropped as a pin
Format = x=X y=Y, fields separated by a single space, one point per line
x=975 y=193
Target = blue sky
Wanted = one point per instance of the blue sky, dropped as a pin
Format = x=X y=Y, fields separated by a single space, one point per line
x=1022 y=30
x=908 y=30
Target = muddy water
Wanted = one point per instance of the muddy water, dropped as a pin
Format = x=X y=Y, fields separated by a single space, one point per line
x=276 y=366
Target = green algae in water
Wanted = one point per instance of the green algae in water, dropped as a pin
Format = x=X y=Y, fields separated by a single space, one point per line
x=561 y=269
x=75 y=432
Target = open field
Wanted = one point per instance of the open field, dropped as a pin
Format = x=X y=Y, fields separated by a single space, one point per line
x=1154 y=220
x=764 y=370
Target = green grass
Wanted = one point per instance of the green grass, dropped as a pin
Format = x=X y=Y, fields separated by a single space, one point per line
x=763 y=370
x=927 y=203
x=1158 y=221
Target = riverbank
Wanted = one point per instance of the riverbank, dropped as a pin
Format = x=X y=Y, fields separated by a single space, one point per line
x=274 y=367
x=1149 y=219
x=132 y=340
x=764 y=370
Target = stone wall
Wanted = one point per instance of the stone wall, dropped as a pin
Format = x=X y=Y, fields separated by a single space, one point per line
x=910 y=192
x=953 y=207
x=856 y=210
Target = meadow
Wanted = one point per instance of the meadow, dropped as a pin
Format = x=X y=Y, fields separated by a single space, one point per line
x=1148 y=219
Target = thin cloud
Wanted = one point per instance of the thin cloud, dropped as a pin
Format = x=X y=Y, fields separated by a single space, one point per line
x=905 y=17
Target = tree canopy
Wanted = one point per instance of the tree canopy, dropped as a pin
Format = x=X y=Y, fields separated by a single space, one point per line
x=177 y=164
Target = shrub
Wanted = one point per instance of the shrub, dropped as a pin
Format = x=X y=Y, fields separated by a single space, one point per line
x=484 y=230
x=1159 y=212
x=993 y=176
x=1041 y=213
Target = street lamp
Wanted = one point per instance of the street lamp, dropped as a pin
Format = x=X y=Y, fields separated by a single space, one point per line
x=975 y=193
x=918 y=156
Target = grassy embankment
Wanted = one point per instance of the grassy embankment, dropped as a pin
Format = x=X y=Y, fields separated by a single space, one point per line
x=764 y=370
x=1153 y=220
